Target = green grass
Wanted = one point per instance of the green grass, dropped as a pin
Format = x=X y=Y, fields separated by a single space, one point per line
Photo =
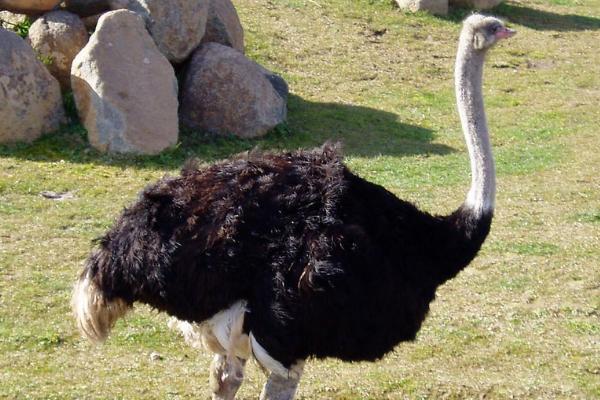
x=520 y=322
x=589 y=217
x=20 y=28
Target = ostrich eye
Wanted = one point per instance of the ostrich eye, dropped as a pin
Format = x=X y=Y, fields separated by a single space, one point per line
x=495 y=28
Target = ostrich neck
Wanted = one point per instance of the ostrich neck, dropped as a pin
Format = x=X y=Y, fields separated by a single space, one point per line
x=468 y=79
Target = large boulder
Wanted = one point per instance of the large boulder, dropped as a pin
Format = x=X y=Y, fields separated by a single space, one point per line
x=86 y=8
x=28 y=6
x=125 y=89
x=223 y=25
x=439 y=7
x=226 y=93
x=177 y=26
x=57 y=37
x=477 y=4
x=30 y=100
x=91 y=21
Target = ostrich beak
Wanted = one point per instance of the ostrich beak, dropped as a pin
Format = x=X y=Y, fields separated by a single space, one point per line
x=505 y=33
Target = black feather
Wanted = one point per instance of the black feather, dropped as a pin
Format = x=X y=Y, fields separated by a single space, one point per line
x=331 y=265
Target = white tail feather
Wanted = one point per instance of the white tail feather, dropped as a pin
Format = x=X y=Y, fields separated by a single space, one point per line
x=94 y=314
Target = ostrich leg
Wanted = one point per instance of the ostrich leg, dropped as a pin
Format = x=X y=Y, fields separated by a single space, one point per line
x=226 y=376
x=280 y=387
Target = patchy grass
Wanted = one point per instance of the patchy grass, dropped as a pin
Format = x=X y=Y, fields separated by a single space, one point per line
x=589 y=217
x=520 y=322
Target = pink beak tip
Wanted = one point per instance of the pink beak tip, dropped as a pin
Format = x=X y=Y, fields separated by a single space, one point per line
x=505 y=33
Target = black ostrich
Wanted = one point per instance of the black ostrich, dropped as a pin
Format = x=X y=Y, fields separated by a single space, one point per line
x=288 y=256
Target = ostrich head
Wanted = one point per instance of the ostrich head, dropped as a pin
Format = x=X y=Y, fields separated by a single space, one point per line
x=485 y=32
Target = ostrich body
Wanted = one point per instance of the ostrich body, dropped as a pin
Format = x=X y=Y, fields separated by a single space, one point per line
x=289 y=256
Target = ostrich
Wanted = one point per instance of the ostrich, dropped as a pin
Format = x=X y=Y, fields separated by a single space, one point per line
x=282 y=257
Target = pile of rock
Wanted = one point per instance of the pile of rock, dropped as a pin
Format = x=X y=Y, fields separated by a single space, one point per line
x=123 y=78
x=440 y=7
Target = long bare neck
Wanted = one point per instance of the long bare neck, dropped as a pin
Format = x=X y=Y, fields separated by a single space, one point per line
x=465 y=230
x=480 y=200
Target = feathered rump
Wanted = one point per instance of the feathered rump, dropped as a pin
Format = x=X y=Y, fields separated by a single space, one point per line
x=193 y=244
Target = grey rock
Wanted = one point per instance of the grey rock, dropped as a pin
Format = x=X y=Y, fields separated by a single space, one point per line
x=226 y=93
x=223 y=25
x=125 y=89
x=30 y=100
x=10 y=20
x=91 y=21
x=177 y=26
x=279 y=84
x=439 y=7
x=86 y=8
x=57 y=37
x=58 y=196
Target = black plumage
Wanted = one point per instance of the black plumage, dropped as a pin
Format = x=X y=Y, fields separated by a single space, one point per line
x=330 y=265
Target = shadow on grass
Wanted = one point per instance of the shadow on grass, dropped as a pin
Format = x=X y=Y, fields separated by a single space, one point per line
x=545 y=20
x=364 y=132
x=534 y=18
